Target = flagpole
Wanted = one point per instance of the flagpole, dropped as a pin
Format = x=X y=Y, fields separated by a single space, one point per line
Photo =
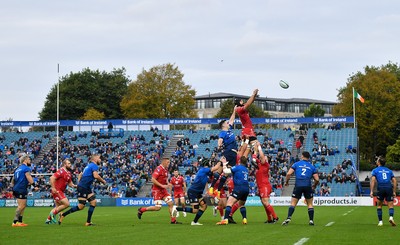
x=354 y=109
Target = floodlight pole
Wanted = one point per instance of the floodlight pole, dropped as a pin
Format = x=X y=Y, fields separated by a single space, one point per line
x=58 y=114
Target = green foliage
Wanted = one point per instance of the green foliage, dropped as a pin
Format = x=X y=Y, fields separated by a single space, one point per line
x=159 y=93
x=226 y=109
x=366 y=165
x=80 y=91
x=314 y=111
x=393 y=166
x=393 y=152
x=93 y=114
x=378 y=119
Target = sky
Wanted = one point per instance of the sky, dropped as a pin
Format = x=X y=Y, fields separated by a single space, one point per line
x=227 y=46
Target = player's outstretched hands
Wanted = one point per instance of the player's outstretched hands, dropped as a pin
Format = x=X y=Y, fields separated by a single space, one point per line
x=255 y=92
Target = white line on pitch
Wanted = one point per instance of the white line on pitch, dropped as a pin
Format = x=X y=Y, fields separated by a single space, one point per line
x=330 y=223
x=302 y=241
x=348 y=212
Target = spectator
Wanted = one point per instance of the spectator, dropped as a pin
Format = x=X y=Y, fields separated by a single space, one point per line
x=131 y=192
x=349 y=149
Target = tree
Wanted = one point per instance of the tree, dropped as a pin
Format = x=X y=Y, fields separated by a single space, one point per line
x=93 y=114
x=159 y=93
x=102 y=91
x=393 y=152
x=378 y=119
x=314 y=111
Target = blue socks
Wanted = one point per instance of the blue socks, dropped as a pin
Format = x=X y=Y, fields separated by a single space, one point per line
x=90 y=213
x=290 y=212
x=379 y=212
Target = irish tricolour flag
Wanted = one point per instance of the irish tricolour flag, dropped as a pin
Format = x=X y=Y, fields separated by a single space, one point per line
x=358 y=96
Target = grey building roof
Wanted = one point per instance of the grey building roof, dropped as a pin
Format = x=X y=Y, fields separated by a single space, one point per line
x=290 y=100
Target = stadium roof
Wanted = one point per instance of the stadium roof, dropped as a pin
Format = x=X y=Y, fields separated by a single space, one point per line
x=290 y=100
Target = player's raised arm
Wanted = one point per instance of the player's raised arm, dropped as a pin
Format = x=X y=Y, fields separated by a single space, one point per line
x=232 y=118
x=263 y=159
x=243 y=148
x=251 y=99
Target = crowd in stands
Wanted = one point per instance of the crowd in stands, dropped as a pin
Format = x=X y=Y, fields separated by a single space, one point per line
x=128 y=163
x=340 y=173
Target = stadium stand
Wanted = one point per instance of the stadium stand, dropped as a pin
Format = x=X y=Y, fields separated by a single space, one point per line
x=130 y=157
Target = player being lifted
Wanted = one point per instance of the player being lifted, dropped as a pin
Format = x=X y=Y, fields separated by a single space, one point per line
x=241 y=109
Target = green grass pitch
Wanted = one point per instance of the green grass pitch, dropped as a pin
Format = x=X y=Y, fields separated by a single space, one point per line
x=120 y=225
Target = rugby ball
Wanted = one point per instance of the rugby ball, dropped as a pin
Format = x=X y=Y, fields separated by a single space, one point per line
x=283 y=84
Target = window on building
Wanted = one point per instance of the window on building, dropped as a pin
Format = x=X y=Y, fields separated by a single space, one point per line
x=208 y=104
x=200 y=104
x=217 y=103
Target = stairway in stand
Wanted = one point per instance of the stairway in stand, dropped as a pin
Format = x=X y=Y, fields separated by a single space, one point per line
x=169 y=151
x=288 y=190
x=46 y=149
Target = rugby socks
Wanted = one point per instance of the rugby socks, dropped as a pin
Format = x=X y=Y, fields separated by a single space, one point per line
x=143 y=210
x=90 y=213
x=391 y=212
x=53 y=211
x=221 y=182
x=198 y=215
x=243 y=212
x=221 y=211
x=20 y=219
x=379 y=212
x=311 y=213
x=290 y=212
x=186 y=209
x=234 y=208
x=270 y=211
x=228 y=210
x=71 y=210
